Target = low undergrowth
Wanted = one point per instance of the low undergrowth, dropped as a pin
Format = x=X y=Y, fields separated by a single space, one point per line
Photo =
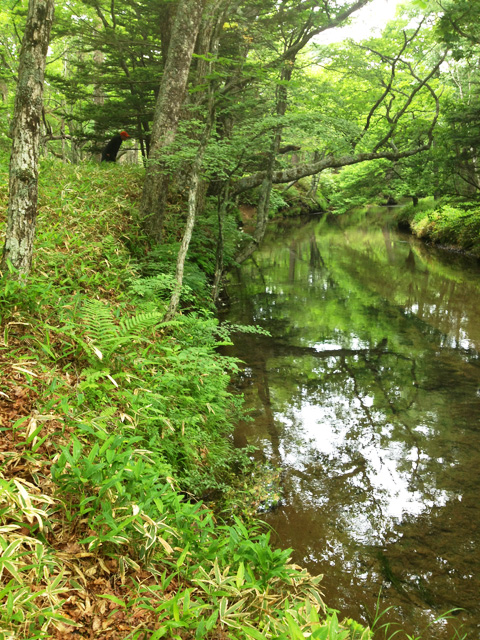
x=453 y=223
x=114 y=438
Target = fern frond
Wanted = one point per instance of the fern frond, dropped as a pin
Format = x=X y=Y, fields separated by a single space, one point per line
x=140 y=322
x=162 y=283
x=99 y=321
x=105 y=337
x=92 y=376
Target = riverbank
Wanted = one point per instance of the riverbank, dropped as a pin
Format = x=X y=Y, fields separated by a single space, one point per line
x=452 y=224
x=113 y=427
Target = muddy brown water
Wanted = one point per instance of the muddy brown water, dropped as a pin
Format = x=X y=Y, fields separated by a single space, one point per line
x=367 y=396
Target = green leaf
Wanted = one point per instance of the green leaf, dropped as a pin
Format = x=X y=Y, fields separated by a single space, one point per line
x=240 y=579
x=182 y=557
x=295 y=630
x=109 y=596
x=253 y=633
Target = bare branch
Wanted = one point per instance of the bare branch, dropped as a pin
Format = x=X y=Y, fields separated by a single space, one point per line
x=101 y=16
x=330 y=162
x=332 y=23
x=301 y=42
x=388 y=87
x=408 y=101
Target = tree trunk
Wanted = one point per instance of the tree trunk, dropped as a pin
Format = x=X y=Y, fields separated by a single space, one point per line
x=167 y=113
x=98 y=58
x=223 y=201
x=266 y=185
x=192 y=211
x=23 y=183
x=4 y=91
x=193 y=195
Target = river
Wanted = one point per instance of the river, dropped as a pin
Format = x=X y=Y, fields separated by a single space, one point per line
x=367 y=396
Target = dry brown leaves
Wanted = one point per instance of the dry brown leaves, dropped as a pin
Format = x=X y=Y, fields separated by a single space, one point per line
x=97 y=616
x=94 y=578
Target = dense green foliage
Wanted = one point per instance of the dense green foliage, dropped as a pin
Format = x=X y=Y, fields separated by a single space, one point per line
x=125 y=416
x=448 y=171
x=106 y=325
x=122 y=421
x=453 y=223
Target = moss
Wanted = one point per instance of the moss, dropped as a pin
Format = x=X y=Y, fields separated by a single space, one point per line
x=450 y=223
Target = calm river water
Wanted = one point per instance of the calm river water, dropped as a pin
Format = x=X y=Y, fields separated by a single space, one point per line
x=367 y=395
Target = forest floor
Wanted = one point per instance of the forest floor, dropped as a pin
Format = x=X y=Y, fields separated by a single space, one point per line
x=106 y=417
x=89 y=596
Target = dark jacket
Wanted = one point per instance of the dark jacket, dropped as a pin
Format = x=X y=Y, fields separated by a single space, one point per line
x=109 y=154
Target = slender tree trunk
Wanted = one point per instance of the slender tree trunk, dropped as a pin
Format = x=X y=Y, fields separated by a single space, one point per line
x=4 y=91
x=192 y=211
x=23 y=184
x=266 y=185
x=167 y=113
x=192 y=203
x=187 y=236
x=312 y=192
x=221 y=213
x=98 y=58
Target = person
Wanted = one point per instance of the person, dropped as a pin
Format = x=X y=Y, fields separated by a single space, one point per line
x=109 y=154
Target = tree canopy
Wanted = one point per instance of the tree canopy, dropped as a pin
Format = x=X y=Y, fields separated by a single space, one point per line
x=286 y=107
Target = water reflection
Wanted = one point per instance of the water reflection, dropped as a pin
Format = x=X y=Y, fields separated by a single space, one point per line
x=367 y=395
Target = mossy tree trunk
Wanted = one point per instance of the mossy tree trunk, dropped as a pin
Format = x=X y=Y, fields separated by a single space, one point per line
x=167 y=113
x=195 y=178
x=23 y=181
x=266 y=184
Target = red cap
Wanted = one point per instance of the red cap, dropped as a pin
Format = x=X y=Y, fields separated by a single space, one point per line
x=124 y=134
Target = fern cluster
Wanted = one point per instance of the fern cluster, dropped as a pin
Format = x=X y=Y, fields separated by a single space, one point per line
x=108 y=336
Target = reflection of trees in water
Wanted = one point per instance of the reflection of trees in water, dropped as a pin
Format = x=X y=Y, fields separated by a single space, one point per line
x=391 y=256
x=439 y=299
x=299 y=253
x=292 y=262
x=434 y=563
x=371 y=336
x=416 y=400
x=404 y=560
x=255 y=352
x=316 y=260
x=410 y=261
x=423 y=557
x=376 y=388
x=264 y=396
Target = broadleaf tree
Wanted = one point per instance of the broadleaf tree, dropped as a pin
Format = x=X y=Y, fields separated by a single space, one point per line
x=23 y=176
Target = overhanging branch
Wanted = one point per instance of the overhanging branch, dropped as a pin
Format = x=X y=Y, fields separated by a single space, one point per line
x=291 y=174
x=330 y=162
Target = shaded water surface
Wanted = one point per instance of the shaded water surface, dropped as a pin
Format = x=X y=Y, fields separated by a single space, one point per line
x=367 y=395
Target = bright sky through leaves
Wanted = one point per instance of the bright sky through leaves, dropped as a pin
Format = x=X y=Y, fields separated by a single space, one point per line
x=372 y=17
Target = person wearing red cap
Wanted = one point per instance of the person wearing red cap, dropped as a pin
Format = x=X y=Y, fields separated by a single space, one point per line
x=109 y=154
